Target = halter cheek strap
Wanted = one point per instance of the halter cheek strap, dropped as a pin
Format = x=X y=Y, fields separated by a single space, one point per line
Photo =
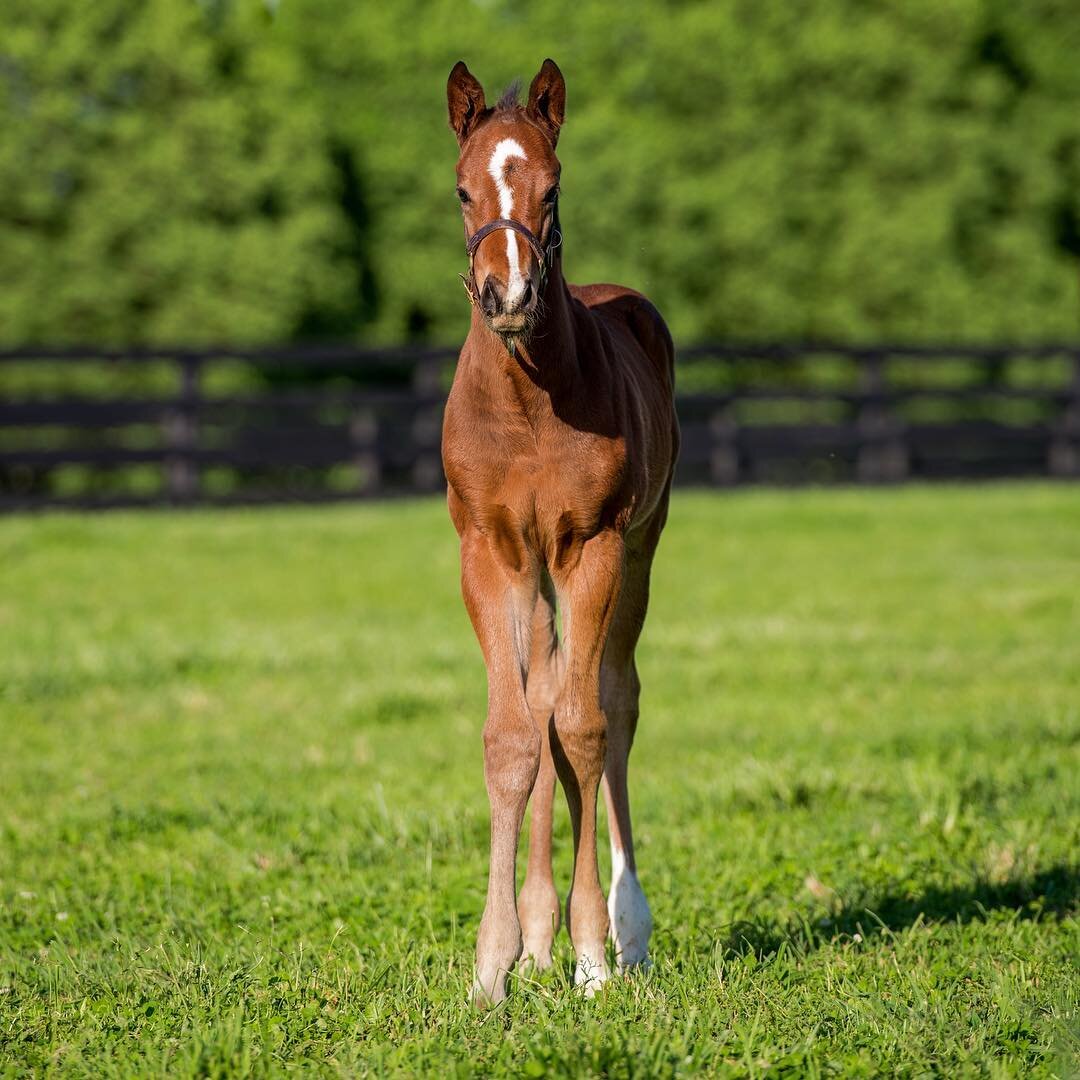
x=545 y=255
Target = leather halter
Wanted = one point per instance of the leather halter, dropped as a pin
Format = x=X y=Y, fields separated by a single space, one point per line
x=545 y=254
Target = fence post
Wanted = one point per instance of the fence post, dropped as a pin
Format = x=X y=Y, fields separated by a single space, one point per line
x=1064 y=457
x=724 y=458
x=363 y=435
x=882 y=455
x=181 y=434
x=426 y=427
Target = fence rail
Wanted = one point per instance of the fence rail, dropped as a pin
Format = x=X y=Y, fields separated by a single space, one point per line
x=109 y=427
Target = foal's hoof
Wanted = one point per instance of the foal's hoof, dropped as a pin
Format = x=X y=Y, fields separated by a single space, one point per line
x=637 y=967
x=488 y=992
x=537 y=957
x=590 y=974
x=632 y=959
x=538 y=913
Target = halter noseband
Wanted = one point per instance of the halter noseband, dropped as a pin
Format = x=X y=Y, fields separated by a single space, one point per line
x=545 y=254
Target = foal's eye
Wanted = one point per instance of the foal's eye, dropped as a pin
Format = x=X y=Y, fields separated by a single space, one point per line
x=552 y=195
x=463 y=195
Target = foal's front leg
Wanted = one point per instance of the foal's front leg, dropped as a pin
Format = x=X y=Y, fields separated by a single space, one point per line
x=588 y=594
x=500 y=605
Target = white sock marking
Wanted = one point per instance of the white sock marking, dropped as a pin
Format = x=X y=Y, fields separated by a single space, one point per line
x=628 y=910
x=591 y=972
x=508 y=148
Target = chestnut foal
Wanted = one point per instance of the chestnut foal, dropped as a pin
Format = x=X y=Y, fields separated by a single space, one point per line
x=559 y=442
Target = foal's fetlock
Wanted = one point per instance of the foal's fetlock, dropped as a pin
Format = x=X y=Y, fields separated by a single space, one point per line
x=538 y=911
x=494 y=962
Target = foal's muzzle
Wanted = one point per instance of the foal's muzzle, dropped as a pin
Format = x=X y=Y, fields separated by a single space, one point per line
x=504 y=314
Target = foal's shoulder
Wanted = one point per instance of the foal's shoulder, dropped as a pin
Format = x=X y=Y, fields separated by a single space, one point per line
x=622 y=305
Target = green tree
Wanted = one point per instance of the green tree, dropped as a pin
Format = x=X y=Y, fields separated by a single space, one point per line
x=163 y=178
x=849 y=168
x=823 y=168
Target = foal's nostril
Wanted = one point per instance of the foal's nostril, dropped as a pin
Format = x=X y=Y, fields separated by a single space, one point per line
x=491 y=296
x=528 y=297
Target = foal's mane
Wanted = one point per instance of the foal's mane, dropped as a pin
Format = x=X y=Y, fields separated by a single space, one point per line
x=508 y=102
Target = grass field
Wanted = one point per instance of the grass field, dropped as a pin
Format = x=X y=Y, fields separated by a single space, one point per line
x=243 y=824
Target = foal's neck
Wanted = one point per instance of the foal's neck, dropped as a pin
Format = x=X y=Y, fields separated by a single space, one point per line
x=542 y=367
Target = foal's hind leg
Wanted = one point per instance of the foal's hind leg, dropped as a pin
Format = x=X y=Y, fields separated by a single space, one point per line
x=538 y=902
x=631 y=920
x=588 y=593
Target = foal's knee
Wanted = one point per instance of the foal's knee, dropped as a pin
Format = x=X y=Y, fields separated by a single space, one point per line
x=582 y=737
x=511 y=760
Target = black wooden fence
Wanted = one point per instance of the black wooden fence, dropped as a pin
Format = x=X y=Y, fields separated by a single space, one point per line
x=100 y=427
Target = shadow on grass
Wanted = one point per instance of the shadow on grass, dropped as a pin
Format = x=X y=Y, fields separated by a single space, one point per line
x=1051 y=894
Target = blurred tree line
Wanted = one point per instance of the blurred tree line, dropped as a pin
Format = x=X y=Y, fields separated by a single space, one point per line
x=173 y=170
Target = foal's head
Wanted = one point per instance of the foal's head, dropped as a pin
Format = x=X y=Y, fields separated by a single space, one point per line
x=508 y=171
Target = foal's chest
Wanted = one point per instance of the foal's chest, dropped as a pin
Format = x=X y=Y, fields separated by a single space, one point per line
x=540 y=503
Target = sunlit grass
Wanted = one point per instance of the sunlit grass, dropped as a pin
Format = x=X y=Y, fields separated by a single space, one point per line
x=243 y=824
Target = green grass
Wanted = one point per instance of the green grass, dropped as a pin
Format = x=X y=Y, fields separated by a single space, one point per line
x=243 y=825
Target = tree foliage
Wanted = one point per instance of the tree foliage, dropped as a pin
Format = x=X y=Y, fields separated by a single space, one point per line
x=836 y=168
x=162 y=177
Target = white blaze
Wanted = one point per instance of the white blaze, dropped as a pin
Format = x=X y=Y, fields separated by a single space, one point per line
x=508 y=148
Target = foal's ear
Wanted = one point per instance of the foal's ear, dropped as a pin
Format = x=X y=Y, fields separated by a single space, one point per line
x=547 y=99
x=465 y=98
